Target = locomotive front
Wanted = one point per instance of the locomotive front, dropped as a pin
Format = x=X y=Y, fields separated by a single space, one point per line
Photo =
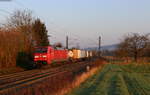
x=41 y=55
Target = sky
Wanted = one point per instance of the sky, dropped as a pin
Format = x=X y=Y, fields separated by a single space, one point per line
x=85 y=20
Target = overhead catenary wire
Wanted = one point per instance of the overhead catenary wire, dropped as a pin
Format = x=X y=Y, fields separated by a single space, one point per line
x=74 y=39
x=5 y=11
x=74 y=35
x=4 y=14
x=61 y=28
x=19 y=3
x=60 y=31
x=5 y=0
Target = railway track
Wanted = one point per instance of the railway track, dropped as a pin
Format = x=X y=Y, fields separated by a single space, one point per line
x=31 y=72
x=18 y=79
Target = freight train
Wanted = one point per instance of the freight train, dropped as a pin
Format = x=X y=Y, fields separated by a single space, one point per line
x=49 y=54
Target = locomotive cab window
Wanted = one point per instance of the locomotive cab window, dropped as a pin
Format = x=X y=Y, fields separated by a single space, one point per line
x=41 y=50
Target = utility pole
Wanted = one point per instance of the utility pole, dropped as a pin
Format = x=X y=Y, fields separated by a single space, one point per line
x=99 y=49
x=66 y=42
x=49 y=39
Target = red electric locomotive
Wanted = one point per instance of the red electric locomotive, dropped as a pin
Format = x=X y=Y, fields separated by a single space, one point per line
x=47 y=55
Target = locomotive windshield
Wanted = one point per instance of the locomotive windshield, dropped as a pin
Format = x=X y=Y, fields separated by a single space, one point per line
x=41 y=50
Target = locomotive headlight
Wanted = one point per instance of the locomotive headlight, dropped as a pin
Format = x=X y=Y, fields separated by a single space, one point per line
x=36 y=56
x=44 y=56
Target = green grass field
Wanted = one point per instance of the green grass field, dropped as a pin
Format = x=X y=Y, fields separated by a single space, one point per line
x=116 y=79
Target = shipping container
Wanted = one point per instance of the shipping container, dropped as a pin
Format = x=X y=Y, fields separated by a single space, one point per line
x=76 y=54
x=83 y=54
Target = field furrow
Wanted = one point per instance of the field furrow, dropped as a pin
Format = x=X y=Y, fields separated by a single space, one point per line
x=116 y=79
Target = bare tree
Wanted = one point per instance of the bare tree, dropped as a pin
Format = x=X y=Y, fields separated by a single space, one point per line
x=15 y=37
x=20 y=18
x=22 y=22
x=133 y=46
